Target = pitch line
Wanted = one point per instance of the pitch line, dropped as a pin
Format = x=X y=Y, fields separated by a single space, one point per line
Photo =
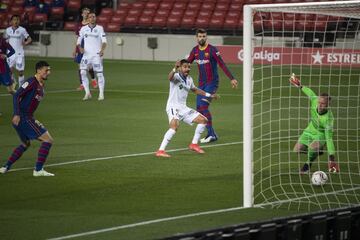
x=122 y=156
x=187 y=216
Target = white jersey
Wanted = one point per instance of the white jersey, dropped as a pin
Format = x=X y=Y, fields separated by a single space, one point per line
x=179 y=89
x=16 y=38
x=93 y=39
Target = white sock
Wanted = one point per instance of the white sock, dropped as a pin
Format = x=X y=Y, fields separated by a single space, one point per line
x=21 y=80
x=198 y=131
x=85 y=81
x=101 y=84
x=167 y=138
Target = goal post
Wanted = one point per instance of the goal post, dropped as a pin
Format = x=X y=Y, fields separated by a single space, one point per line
x=320 y=43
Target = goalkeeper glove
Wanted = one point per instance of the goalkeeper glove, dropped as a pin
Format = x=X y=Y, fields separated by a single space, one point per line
x=294 y=80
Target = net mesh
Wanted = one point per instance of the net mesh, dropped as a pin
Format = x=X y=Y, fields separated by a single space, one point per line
x=321 y=45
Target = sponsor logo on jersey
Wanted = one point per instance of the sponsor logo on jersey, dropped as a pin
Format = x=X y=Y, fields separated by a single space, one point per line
x=201 y=62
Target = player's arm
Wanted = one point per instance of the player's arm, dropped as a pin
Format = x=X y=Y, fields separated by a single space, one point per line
x=295 y=81
x=173 y=71
x=78 y=42
x=27 y=38
x=216 y=55
x=17 y=98
x=9 y=53
x=201 y=92
x=103 y=42
x=329 y=139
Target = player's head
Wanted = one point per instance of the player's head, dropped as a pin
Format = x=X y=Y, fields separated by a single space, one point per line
x=323 y=103
x=184 y=67
x=92 y=18
x=201 y=36
x=42 y=69
x=85 y=12
x=15 y=20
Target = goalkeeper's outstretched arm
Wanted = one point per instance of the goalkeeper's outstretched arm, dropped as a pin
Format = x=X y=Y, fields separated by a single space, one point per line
x=295 y=80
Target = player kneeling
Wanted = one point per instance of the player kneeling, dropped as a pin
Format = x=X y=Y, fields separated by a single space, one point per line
x=180 y=85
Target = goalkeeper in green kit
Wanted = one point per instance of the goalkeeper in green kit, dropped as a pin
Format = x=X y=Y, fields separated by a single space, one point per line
x=319 y=132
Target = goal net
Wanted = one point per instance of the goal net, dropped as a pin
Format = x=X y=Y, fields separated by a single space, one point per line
x=320 y=43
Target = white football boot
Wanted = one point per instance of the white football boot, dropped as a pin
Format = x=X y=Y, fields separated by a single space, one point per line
x=3 y=170
x=42 y=173
x=87 y=97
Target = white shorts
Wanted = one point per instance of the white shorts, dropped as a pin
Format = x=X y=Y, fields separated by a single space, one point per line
x=185 y=114
x=17 y=61
x=94 y=62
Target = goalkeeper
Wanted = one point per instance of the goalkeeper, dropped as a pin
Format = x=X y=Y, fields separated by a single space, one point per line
x=319 y=132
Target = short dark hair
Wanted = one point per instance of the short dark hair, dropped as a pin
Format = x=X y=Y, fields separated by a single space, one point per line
x=41 y=64
x=14 y=16
x=200 y=30
x=85 y=8
x=182 y=61
x=326 y=95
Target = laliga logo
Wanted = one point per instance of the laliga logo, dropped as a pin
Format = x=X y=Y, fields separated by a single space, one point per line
x=262 y=55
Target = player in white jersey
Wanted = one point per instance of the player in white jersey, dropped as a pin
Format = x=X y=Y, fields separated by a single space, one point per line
x=180 y=85
x=18 y=37
x=94 y=46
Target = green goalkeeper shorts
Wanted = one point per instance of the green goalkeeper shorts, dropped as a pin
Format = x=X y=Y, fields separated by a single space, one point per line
x=307 y=137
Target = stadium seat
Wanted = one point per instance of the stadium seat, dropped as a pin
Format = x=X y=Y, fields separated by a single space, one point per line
x=107 y=12
x=148 y=12
x=40 y=18
x=138 y=5
x=152 y=5
x=273 y=25
x=112 y=27
x=193 y=6
x=216 y=22
x=122 y=12
x=16 y=10
x=188 y=22
x=304 y=26
x=124 y=5
x=320 y=26
x=219 y=14
x=230 y=23
x=103 y=19
x=207 y=13
x=236 y=7
x=3 y=16
x=305 y=17
x=173 y=21
x=57 y=13
x=208 y=6
x=70 y=26
x=179 y=6
x=159 y=22
x=202 y=22
x=18 y=3
x=276 y=16
x=89 y=3
x=221 y=6
x=73 y=5
x=162 y=13
x=131 y=21
x=30 y=11
x=134 y=12
x=240 y=24
x=176 y=13
x=190 y=13
x=145 y=21
x=289 y=25
x=118 y=19
x=166 y=5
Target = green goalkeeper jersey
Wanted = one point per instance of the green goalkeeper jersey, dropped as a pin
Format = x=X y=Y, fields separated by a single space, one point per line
x=320 y=124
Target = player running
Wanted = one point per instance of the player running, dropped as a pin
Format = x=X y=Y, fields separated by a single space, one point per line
x=319 y=132
x=18 y=37
x=207 y=58
x=77 y=54
x=26 y=100
x=94 y=46
x=180 y=85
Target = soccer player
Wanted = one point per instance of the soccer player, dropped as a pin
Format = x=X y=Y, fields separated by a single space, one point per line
x=18 y=37
x=180 y=85
x=94 y=46
x=26 y=100
x=319 y=132
x=207 y=58
x=77 y=54
x=6 y=51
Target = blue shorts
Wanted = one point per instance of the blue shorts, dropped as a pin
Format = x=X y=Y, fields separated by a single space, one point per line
x=209 y=89
x=29 y=129
x=5 y=78
x=78 y=57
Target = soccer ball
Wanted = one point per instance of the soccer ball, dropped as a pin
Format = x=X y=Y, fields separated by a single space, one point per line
x=319 y=178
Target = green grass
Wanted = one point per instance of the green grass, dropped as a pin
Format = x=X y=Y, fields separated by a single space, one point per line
x=131 y=185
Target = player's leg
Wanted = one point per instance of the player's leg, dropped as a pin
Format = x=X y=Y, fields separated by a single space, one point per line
x=46 y=144
x=18 y=151
x=20 y=67
x=98 y=68
x=94 y=83
x=77 y=59
x=11 y=61
x=301 y=147
x=6 y=80
x=84 y=65
x=173 y=126
x=201 y=124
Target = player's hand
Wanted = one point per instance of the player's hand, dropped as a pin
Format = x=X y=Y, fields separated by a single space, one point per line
x=74 y=53
x=215 y=96
x=177 y=64
x=81 y=50
x=294 y=80
x=234 y=83
x=16 y=120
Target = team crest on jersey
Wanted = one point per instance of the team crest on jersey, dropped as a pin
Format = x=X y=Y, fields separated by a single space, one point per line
x=86 y=35
x=206 y=54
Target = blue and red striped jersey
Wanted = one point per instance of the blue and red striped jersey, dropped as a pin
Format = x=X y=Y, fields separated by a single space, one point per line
x=207 y=59
x=27 y=98
x=5 y=48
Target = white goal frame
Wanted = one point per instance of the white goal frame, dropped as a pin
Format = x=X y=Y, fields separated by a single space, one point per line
x=248 y=35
